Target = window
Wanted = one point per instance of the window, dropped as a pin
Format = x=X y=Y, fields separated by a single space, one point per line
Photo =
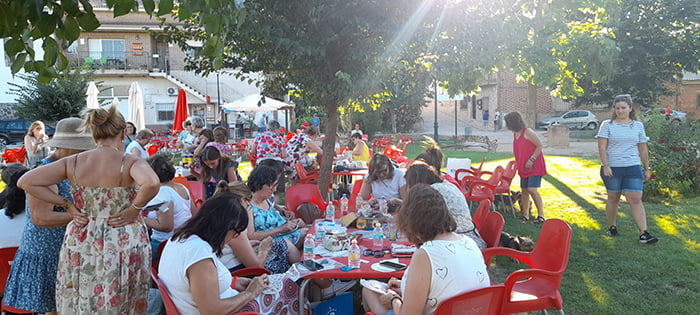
x=166 y=111
x=103 y=49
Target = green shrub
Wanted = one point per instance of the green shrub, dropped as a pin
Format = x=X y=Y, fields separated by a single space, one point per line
x=673 y=157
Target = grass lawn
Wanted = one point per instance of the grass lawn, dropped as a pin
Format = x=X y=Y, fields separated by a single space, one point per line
x=612 y=275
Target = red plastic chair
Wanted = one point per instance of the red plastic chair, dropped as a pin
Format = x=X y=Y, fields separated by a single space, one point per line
x=503 y=187
x=484 y=301
x=478 y=190
x=490 y=229
x=472 y=171
x=537 y=288
x=197 y=190
x=197 y=202
x=250 y=272
x=352 y=202
x=300 y=193
x=152 y=149
x=306 y=177
x=481 y=211
x=7 y=255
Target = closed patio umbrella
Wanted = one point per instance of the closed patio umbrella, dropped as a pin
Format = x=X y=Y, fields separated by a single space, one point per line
x=91 y=93
x=182 y=111
x=136 y=106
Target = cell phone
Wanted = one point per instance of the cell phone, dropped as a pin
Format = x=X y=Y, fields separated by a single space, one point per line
x=392 y=265
x=154 y=207
x=312 y=265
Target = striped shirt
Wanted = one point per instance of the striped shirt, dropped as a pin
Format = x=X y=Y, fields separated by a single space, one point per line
x=623 y=140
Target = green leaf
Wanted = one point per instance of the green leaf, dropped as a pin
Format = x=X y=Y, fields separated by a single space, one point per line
x=63 y=65
x=13 y=46
x=184 y=12
x=18 y=63
x=148 y=6
x=122 y=7
x=71 y=29
x=29 y=66
x=46 y=24
x=218 y=62
x=165 y=7
x=50 y=51
x=88 y=21
x=70 y=6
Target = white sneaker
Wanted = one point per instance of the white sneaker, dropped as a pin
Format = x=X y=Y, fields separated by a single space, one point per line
x=336 y=288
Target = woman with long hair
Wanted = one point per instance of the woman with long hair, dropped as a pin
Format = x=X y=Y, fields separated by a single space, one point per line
x=130 y=134
x=37 y=258
x=35 y=143
x=383 y=180
x=445 y=264
x=215 y=167
x=105 y=257
x=527 y=150
x=624 y=155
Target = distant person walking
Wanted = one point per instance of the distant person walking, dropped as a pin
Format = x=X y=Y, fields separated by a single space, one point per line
x=527 y=149
x=624 y=155
x=496 y=120
x=485 y=118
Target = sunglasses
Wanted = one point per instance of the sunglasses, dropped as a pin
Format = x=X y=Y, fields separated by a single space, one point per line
x=375 y=253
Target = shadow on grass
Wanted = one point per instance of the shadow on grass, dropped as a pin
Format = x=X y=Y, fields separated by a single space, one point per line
x=575 y=197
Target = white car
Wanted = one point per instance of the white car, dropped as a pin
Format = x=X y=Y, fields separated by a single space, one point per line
x=574 y=119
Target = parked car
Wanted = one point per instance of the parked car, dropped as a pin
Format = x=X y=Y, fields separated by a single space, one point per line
x=13 y=130
x=676 y=116
x=574 y=119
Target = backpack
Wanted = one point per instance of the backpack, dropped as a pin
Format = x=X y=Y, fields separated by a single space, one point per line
x=308 y=212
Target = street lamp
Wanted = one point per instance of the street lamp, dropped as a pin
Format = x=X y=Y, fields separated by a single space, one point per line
x=435 y=125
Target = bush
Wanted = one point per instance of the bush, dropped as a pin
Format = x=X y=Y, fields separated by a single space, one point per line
x=674 y=158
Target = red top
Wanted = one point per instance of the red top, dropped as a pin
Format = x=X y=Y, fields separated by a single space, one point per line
x=523 y=150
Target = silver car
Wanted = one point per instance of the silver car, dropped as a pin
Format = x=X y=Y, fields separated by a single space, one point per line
x=574 y=119
x=675 y=116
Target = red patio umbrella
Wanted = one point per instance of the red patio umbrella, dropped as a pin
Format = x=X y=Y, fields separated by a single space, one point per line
x=182 y=111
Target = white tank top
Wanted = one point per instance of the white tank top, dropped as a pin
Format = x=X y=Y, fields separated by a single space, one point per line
x=457 y=267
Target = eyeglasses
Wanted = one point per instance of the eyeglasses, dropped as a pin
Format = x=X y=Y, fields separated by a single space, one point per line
x=375 y=253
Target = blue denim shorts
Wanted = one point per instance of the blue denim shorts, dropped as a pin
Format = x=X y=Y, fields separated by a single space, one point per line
x=531 y=182
x=624 y=179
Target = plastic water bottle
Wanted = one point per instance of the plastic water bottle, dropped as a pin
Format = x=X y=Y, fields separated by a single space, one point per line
x=378 y=236
x=383 y=206
x=320 y=235
x=330 y=213
x=354 y=255
x=344 y=205
x=309 y=247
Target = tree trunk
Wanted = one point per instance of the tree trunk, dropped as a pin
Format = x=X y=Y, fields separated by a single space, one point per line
x=531 y=117
x=328 y=147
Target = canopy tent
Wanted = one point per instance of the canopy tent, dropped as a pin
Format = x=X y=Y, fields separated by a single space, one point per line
x=182 y=111
x=91 y=93
x=136 y=106
x=253 y=103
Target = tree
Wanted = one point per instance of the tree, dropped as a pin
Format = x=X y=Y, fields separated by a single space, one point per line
x=50 y=102
x=328 y=51
x=658 y=40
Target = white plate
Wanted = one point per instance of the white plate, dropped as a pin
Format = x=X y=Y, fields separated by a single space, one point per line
x=380 y=268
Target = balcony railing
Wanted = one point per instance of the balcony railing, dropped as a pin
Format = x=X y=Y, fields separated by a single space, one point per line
x=141 y=62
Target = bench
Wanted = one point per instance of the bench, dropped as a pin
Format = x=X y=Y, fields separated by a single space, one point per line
x=478 y=141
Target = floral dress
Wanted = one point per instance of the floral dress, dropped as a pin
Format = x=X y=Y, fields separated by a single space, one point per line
x=103 y=270
x=32 y=282
x=268 y=219
x=296 y=150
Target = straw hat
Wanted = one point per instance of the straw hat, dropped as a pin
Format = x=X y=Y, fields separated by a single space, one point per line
x=69 y=136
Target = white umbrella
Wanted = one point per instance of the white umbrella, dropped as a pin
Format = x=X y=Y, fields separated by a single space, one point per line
x=136 y=106
x=250 y=104
x=91 y=93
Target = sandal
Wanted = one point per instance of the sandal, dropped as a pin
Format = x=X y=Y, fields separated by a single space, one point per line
x=524 y=219
x=539 y=220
